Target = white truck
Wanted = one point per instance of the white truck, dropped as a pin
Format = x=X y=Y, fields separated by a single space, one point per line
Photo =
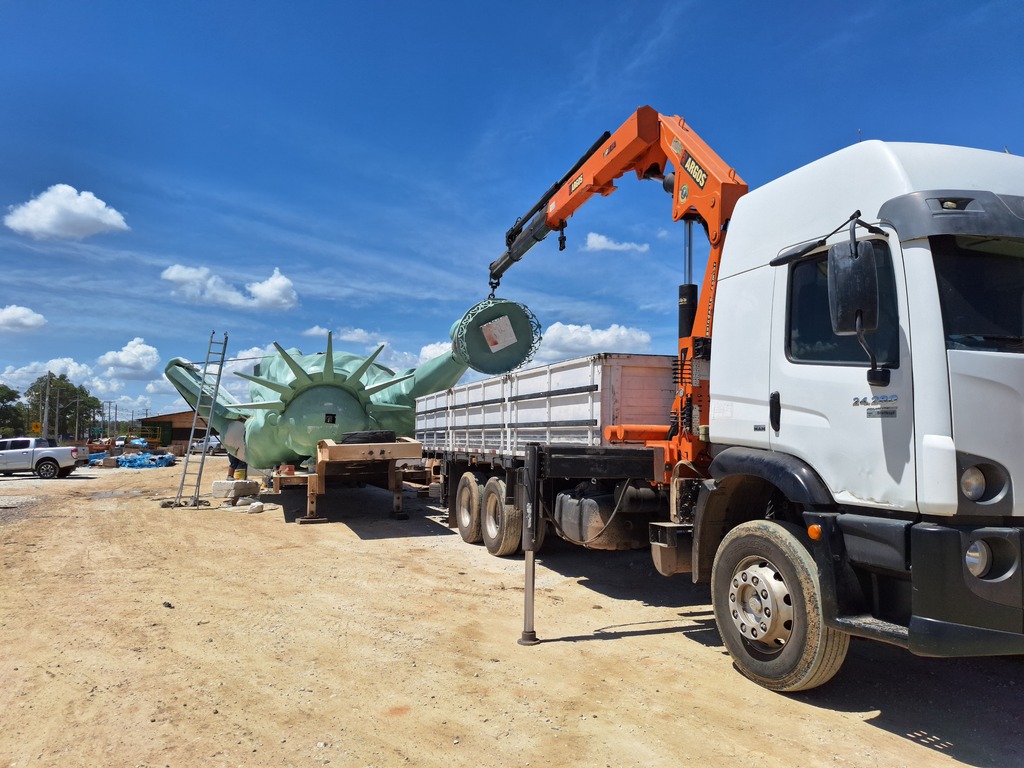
x=843 y=454
x=40 y=455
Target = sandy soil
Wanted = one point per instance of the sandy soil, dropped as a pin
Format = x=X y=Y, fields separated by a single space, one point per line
x=135 y=635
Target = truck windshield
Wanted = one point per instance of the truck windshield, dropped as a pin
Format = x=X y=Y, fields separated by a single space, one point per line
x=981 y=291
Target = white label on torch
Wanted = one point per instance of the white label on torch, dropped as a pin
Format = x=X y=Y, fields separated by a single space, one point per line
x=498 y=333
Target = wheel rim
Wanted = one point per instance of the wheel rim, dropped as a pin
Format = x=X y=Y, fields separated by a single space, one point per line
x=463 y=511
x=47 y=470
x=761 y=604
x=491 y=516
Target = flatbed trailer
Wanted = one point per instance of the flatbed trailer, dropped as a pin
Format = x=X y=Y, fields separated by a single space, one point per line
x=483 y=435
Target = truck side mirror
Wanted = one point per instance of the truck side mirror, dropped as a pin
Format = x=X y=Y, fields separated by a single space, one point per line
x=853 y=298
x=852 y=288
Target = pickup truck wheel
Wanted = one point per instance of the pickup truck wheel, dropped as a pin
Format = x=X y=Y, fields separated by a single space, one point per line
x=767 y=603
x=47 y=469
x=468 y=496
x=502 y=524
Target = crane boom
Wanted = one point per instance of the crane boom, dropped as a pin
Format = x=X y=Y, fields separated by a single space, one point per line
x=703 y=188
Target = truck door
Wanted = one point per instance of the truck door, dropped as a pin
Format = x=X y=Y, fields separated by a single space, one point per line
x=857 y=437
x=18 y=455
x=4 y=445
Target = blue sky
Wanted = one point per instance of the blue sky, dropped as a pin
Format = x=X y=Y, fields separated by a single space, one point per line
x=275 y=170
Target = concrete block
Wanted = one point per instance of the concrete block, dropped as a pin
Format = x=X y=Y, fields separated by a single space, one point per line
x=233 y=489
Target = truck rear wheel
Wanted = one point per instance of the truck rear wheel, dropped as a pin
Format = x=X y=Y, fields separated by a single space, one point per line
x=468 y=497
x=47 y=469
x=542 y=533
x=767 y=602
x=502 y=524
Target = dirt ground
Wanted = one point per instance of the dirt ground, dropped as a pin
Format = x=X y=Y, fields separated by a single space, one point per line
x=136 y=635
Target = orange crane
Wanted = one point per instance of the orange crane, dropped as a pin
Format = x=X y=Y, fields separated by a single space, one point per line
x=704 y=189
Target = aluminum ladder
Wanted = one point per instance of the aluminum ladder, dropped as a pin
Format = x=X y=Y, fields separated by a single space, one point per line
x=209 y=386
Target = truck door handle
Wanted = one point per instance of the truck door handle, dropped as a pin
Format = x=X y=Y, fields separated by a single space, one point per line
x=774 y=410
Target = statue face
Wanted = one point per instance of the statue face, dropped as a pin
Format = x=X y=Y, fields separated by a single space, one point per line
x=320 y=413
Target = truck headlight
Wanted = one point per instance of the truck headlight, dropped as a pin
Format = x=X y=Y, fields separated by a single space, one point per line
x=978 y=558
x=972 y=483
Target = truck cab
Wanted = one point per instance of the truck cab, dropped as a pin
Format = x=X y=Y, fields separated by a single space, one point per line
x=909 y=476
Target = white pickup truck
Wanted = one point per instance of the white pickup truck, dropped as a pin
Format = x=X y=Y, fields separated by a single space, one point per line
x=40 y=455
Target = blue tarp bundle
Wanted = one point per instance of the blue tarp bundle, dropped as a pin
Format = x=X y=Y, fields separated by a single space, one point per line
x=145 y=460
x=135 y=460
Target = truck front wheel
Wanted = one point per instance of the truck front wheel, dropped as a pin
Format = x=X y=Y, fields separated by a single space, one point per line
x=47 y=469
x=468 y=497
x=502 y=524
x=767 y=602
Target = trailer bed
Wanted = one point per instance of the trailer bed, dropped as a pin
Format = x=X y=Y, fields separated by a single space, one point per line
x=568 y=402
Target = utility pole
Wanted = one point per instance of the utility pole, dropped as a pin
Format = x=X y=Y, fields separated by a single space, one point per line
x=46 y=406
x=106 y=417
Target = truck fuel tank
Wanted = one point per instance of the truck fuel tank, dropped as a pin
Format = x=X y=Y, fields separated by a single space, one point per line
x=588 y=516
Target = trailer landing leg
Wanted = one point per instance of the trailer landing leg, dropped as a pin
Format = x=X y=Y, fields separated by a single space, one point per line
x=529 y=636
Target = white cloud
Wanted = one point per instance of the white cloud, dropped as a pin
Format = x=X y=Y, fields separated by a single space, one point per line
x=128 y=406
x=316 y=330
x=200 y=285
x=397 y=360
x=358 y=336
x=23 y=377
x=276 y=292
x=15 y=318
x=104 y=387
x=596 y=242
x=430 y=351
x=160 y=387
x=134 y=360
x=64 y=212
x=564 y=341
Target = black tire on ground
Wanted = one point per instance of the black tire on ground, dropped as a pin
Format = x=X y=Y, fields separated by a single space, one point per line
x=767 y=602
x=47 y=469
x=501 y=523
x=468 y=498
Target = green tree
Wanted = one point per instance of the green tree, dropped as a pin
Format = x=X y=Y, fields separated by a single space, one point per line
x=10 y=423
x=71 y=408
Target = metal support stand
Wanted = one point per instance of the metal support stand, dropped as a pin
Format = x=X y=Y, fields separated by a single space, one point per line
x=528 y=476
x=529 y=636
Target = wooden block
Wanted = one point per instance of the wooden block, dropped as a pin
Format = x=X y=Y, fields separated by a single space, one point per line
x=403 y=448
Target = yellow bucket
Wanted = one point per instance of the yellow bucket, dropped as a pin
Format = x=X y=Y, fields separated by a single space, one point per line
x=240 y=474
